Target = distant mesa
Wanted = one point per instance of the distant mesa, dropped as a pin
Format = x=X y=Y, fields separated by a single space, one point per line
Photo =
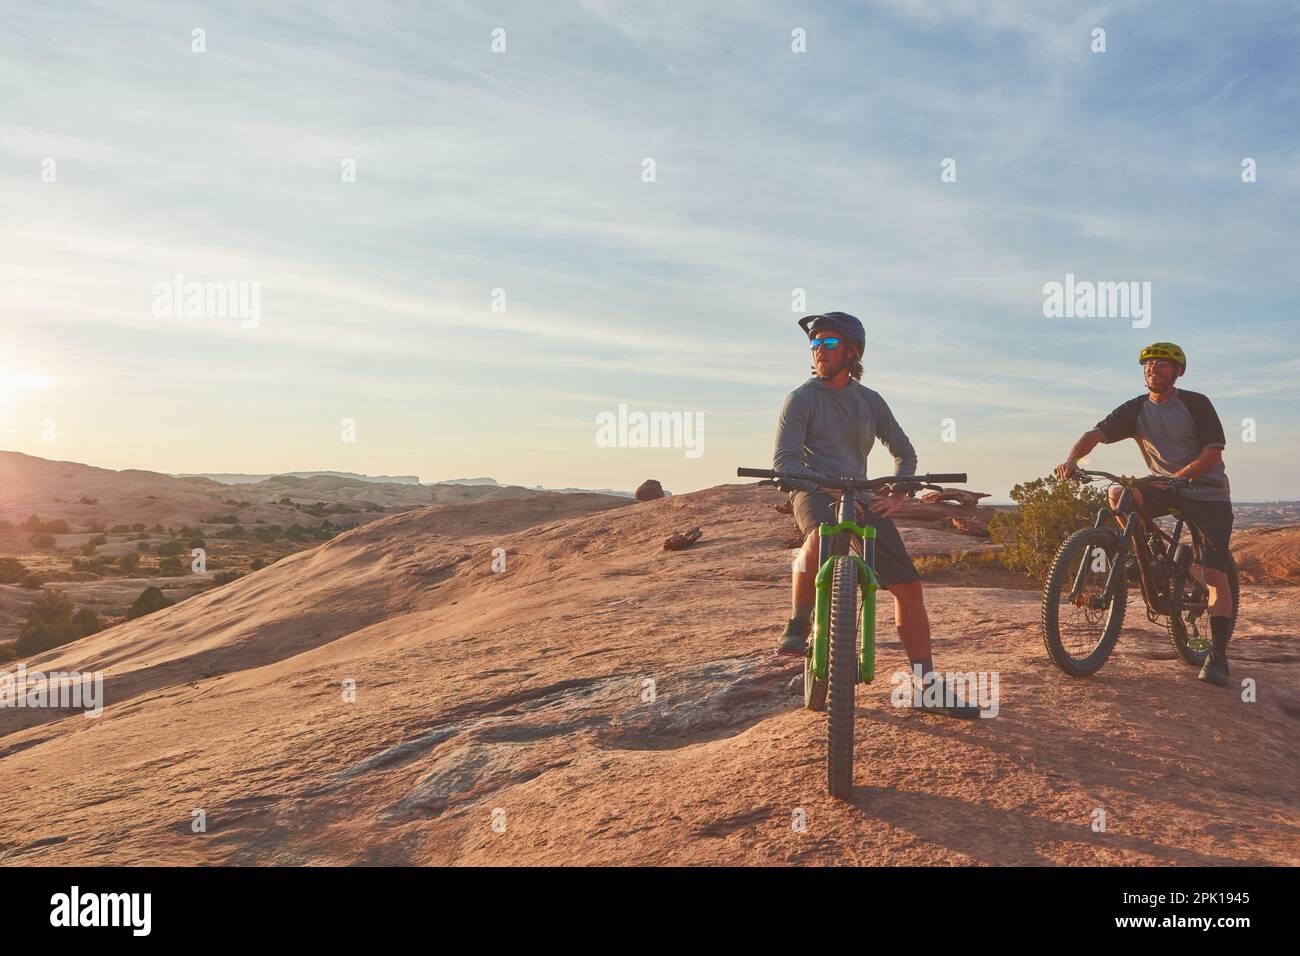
x=228 y=478
x=492 y=482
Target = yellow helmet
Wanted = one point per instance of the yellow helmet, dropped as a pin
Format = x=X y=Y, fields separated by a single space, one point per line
x=1163 y=350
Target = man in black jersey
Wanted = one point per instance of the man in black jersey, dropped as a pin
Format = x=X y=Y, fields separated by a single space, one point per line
x=1180 y=436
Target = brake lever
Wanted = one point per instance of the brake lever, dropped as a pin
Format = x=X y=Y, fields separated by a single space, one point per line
x=909 y=487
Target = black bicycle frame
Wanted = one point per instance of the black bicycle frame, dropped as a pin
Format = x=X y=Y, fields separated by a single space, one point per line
x=1126 y=507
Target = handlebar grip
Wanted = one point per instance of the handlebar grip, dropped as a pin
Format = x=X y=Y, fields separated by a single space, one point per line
x=959 y=477
x=755 y=473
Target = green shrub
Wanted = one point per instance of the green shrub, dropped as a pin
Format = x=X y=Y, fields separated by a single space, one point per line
x=98 y=540
x=11 y=570
x=31 y=580
x=1050 y=510
x=52 y=622
x=225 y=577
x=129 y=561
x=41 y=540
x=149 y=601
x=171 y=566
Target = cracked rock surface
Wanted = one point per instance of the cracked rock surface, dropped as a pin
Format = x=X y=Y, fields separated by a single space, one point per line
x=390 y=698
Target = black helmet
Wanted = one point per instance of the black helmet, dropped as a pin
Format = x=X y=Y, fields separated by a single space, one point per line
x=847 y=325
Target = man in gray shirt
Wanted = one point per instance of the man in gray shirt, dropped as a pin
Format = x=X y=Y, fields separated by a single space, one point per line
x=1180 y=436
x=829 y=425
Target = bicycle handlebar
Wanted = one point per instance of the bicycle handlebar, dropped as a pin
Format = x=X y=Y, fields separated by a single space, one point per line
x=1175 y=483
x=851 y=483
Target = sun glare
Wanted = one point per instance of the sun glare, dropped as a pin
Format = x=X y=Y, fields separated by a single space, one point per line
x=12 y=384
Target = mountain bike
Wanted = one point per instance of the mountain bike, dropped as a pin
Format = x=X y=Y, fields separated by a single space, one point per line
x=1086 y=592
x=842 y=651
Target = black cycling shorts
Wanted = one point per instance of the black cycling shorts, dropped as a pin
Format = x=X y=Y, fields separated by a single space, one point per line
x=893 y=565
x=1210 y=522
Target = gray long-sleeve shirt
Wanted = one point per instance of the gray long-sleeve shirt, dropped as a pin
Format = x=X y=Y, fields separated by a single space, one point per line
x=832 y=430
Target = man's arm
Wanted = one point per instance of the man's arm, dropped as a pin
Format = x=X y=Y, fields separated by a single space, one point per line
x=893 y=437
x=1201 y=464
x=1118 y=425
x=1086 y=443
x=1209 y=432
x=791 y=430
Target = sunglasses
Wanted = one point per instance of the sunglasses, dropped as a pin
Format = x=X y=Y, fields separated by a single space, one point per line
x=828 y=343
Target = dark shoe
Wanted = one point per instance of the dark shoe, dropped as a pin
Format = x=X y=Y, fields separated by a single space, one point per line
x=795 y=639
x=1131 y=570
x=1215 y=670
x=959 y=708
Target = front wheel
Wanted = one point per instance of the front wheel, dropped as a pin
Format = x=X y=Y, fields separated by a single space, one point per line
x=842 y=679
x=1081 y=632
x=1189 y=631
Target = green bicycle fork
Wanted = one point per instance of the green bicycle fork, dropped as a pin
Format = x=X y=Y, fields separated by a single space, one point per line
x=869 y=585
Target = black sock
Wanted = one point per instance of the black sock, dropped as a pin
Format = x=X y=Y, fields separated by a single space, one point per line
x=1220 y=631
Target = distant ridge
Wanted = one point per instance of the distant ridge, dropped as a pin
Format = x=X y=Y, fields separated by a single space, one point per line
x=564 y=491
x=238 y=478
x=228 y=478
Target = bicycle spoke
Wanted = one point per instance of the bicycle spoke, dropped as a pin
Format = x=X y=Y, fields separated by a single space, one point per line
x=1082 y=624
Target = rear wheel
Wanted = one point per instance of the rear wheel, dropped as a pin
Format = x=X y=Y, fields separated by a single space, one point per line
x=1189 y=631
x=1081 y=633
x=842 y=679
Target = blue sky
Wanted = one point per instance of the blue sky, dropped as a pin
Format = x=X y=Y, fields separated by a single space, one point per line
x=521 y=170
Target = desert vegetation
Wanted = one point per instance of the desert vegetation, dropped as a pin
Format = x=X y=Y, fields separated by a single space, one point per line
x=1049 y=510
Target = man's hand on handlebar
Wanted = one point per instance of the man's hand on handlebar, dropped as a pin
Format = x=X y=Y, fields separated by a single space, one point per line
x=1067 y=470
x=886 y=505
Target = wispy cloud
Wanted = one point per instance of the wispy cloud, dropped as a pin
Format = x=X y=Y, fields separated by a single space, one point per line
x=522 y=170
